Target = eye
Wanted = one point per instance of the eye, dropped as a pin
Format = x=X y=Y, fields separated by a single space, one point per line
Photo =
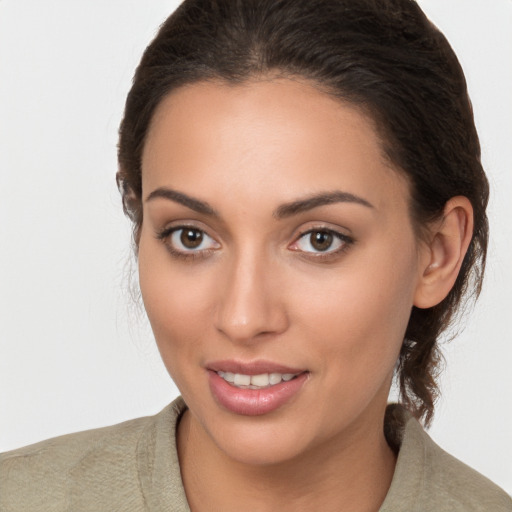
x=188 y=241
x=321 y=241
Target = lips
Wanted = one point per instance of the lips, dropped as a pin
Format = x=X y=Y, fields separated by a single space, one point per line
x=262 y=380
x=251 y=368
x=254 y=388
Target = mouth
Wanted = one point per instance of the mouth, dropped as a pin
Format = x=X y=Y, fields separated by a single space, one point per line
x=257 y=388
x=260 y=381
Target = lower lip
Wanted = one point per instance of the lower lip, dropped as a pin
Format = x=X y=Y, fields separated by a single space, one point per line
x=254 y=402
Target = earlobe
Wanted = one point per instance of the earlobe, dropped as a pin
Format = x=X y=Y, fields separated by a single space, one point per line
x=442 y=257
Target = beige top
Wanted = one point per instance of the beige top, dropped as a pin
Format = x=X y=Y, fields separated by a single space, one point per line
x=134 y=466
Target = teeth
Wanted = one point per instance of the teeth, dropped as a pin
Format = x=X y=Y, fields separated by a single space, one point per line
x=242 y=380
x=260 y=380
x=263 y=380
x=274 y=378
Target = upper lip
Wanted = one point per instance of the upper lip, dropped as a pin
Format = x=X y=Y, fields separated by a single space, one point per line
x=251 y=367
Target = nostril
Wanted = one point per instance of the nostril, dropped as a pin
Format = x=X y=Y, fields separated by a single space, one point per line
x=257 y=326
x=249 y=306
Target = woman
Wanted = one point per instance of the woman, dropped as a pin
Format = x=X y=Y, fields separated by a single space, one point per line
x=308 y=204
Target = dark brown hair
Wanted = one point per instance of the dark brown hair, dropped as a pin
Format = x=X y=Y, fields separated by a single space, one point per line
x=385 y=57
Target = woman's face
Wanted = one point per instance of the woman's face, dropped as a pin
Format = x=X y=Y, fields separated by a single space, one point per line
x=276 y=240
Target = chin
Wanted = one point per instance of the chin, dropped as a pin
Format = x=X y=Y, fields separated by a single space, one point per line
x=269 y=439
x=261 y=446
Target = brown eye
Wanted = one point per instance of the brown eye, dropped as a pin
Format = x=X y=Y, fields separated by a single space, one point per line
x=318 y=241
x=188 y=241
x=321 y=240
x=191 y=238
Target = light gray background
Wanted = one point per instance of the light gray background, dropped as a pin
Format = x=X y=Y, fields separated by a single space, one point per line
x=74 y=353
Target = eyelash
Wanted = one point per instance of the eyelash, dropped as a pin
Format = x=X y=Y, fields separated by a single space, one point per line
x=346 y=241
x=165 y=234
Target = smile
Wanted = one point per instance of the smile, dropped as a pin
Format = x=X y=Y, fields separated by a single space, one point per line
x=254 y=388
x=261 y=381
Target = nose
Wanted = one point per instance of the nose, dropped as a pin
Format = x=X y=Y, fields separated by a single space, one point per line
x=250 y=303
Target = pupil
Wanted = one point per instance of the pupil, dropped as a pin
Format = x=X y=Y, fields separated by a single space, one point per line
x=321 y=240
x=191 y=238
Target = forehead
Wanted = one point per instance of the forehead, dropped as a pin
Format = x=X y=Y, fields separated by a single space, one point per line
x=277 y=137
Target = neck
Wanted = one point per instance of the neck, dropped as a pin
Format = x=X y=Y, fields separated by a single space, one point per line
x=351 y=472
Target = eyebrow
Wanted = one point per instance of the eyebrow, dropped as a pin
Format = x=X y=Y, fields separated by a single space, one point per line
x=283 y=211
x=178 y=197
x=316 y=200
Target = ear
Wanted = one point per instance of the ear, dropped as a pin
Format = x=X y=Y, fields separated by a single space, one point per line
x=443 y=254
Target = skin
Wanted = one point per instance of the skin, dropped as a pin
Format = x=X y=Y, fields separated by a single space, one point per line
x=257 y=289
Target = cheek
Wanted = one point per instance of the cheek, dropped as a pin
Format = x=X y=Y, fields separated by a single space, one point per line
x=358 y=313
x=176 y=303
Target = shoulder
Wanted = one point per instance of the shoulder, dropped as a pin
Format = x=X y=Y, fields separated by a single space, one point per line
x=427 y=478
x=452 y=481
x=103 y=462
